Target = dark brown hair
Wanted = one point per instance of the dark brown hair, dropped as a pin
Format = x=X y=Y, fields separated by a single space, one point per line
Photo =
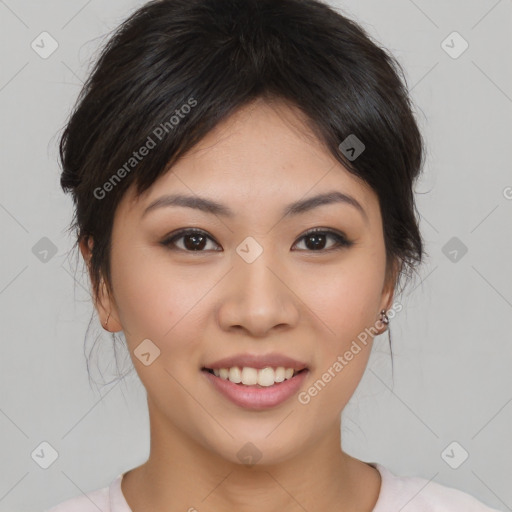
x=182 y=66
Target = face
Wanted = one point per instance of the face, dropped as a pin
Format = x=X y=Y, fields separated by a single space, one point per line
x=252 y=283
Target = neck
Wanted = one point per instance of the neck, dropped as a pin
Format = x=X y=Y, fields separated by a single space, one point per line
x=180 y=474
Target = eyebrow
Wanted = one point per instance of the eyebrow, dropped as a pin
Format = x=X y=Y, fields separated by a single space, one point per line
x=213 y=207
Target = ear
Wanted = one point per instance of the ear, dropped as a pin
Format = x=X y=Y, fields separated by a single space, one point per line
x=388 y=289
x=104 y=303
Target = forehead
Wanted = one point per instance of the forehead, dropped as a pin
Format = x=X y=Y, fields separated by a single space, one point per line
x=262 y=154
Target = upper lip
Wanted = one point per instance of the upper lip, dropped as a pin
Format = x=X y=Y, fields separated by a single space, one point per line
x=257 y=361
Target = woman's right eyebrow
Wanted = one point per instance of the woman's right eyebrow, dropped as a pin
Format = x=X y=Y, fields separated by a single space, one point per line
x=213 y=207
x=196 y=202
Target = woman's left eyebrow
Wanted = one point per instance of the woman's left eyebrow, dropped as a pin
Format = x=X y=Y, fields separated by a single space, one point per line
x=213 y=207
x=333 y=197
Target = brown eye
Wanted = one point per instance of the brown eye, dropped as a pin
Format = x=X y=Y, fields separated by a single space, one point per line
x=316 y=240
x=193 y=241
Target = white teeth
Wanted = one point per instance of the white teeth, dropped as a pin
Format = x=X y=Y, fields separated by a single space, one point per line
x=251 y=376
x=235 y=375
x=280 y=374
x=265 y=376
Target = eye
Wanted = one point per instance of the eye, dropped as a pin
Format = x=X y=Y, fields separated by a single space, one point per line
x=194 y=240
x=316 y=238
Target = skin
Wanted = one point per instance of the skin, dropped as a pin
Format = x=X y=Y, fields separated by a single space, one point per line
x=199 y=307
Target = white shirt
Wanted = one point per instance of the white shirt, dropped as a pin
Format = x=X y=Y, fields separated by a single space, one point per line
x=397 y=493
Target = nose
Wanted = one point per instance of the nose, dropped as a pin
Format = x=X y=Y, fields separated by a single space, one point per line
x=260 y=297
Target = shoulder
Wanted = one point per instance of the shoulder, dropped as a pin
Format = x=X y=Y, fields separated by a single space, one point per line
x=415 y=494
x=99 y=499
x=90 y=502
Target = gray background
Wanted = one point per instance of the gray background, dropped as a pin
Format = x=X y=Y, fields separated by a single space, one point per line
x=452 y=342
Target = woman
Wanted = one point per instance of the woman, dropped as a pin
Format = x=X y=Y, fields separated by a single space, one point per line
x=242 y=173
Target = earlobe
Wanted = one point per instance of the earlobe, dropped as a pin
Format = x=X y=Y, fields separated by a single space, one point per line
x=388 y=293
x=388 y=299
x=107 y=310
x=111 y=323
x=386 y=306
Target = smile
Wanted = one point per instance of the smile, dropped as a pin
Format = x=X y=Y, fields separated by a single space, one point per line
x=254 y=395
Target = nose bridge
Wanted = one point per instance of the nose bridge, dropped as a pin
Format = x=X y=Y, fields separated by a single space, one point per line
x=256 y=266
x=259 y=298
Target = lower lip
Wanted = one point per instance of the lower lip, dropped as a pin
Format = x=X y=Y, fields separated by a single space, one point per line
x=252 y=397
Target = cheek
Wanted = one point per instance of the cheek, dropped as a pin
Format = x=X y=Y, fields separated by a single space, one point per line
x=159 y=300
x=345 y=297
x=346 y=301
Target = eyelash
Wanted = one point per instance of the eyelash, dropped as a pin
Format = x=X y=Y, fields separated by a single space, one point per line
x=341 y=241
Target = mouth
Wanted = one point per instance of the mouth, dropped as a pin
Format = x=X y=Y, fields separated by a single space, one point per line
x=248 y=389
x=252 y=378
